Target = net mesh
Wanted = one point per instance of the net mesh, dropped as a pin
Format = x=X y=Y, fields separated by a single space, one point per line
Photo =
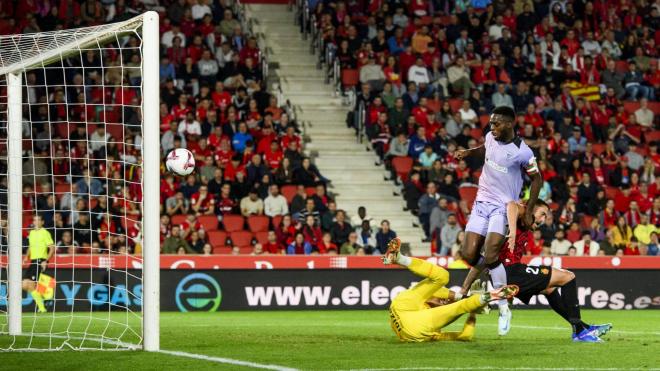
x=82 y=174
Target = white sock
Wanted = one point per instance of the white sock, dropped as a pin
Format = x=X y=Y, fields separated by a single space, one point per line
x=458 y=296
x=498 y=276
x=403 y=260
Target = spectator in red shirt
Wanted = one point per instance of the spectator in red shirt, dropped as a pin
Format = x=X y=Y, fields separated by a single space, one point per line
x=273 y=246
x=202 y=202
x=607 y=217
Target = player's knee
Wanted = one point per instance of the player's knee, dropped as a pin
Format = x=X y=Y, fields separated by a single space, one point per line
x=568 y=276
x=564 y=277
x=440 y=275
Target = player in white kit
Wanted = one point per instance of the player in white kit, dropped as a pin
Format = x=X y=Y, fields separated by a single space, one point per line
x=506 y=157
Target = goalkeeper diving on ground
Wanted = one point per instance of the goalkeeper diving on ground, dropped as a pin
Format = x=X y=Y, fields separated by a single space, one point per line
x=412 y=316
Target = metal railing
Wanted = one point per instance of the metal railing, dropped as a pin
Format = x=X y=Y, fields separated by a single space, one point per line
x=247 y=24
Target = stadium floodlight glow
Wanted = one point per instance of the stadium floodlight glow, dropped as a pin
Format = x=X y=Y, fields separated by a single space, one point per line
x=105 y=80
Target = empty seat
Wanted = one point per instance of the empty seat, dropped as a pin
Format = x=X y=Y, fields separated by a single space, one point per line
x=289 y=192
x=455 y=104
x=468 y=194
x=233 y=223
x=277 y=219
x=245 y=250
x=178 y=219
x=350 y=78
x=224 y=250
x=258 y=223
x=217 y=238
x=598 y=148
x=402 y=166
x=241 y=238
x=261 y=237
x=209 y=222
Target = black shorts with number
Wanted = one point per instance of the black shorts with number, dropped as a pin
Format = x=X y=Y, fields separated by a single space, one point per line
x=33 y=271
x=530 y=279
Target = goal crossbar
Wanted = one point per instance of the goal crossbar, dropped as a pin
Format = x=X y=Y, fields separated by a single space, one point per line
x=23 y=52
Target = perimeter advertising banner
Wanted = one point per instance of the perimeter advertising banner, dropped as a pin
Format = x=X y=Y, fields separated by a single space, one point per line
x=217 y=290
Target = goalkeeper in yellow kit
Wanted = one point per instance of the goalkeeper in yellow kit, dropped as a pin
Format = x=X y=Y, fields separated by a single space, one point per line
x=40 y=250
x=411 y=316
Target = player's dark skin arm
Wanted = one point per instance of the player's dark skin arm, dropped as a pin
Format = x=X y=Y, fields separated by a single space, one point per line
x=479 y=152
x=537 y=183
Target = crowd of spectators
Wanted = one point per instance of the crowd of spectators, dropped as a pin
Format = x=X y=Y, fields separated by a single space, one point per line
x=253 y=191
x=582 y=77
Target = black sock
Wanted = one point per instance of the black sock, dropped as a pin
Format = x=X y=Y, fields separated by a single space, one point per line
x=570 y=299
x=556 y=303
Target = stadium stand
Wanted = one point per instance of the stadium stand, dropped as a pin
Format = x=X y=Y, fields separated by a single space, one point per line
x=582 y=79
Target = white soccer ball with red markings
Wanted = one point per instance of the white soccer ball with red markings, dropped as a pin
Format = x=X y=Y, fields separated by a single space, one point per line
x=180 y=162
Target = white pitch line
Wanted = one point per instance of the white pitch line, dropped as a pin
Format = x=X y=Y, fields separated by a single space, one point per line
x=228 y=361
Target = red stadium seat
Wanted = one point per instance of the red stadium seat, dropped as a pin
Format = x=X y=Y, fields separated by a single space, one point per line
x=310 y=191
x=455 y=104
x=277 y=219
x=652 y=136
x=402 y=166
x=116 y=131
x=585 y=223
x=217 y=238
x=289 y=192
x=655 y=107
x=598 y=148
x=434 y=105
x=621 y=66
x=241 y=238
x=611 y=192
x=258 y=223
x=208 y=222
x=476 y=133
x=484 y=120
x=233 y=223
x=222 y=250
x=468 y=194
x=426 y=20
x=178 y=219
x=262 y=237
x=245 y=250
x=350 y=78
x=630 y=107
x=61 y=188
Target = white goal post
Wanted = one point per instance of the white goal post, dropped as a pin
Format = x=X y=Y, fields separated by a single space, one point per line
x=101 y=324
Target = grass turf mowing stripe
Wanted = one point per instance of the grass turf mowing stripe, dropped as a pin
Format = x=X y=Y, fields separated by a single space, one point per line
x=501 y=368
x=228 y=361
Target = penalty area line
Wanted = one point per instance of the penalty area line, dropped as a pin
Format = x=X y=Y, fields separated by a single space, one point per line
x=227 y=361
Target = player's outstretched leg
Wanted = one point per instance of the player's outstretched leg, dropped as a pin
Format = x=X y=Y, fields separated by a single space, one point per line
x=446 y=314
x=568 y=306
x=435 y=277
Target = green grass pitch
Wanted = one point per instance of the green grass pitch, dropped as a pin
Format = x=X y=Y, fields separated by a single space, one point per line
x=343 y=340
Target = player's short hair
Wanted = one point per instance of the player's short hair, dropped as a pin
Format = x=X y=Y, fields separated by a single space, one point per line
x=541 y=203
x=505 y=111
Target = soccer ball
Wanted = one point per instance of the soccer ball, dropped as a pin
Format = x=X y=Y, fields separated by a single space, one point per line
x=180 y=162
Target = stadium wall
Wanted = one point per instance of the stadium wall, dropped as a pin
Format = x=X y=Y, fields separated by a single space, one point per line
x=217 y=290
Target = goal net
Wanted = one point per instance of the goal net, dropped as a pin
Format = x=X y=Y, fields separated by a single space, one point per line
x=79 y=181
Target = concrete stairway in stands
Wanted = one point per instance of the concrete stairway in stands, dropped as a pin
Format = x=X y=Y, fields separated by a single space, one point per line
x=356 y=180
